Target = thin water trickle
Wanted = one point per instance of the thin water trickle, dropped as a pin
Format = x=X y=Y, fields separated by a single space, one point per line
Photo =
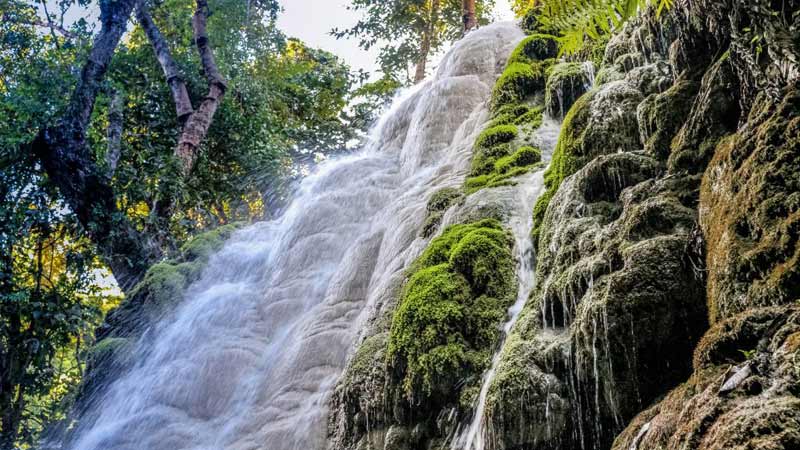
x=250 y=355
x=528 y=189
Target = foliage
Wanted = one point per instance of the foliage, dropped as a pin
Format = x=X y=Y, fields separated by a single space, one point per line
x=576 y=21
x=286 y=107
x=370 y=99
x=404 y=28
x=283 y=110
x=50 y=302
x=446 y=323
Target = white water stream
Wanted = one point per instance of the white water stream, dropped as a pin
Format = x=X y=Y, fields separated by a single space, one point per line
x=249 y=358
x=526 y=192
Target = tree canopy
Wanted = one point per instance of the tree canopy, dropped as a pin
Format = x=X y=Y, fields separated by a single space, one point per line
x=409 y=32
x=67 y=217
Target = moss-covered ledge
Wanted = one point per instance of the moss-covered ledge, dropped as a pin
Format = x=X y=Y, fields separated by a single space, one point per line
x=425 y=359
x=162 y=286
x=503 y=150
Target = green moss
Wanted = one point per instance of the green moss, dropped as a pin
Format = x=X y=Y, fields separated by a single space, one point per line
x=501 y=119
x=369 y=352
x=497 y=158
x=162 y=282
x=496 y=135
x=203 y=245
x=479 y=256
x=531 y=119
x=525 y=156
x=491 y=169
x=564 y=162
x=445 y=325
x=535 y=47
x=165 y=282
x=484 y=158
x=538 y=212
x=662 y=115
x=512 y=109
x=443 y=199
x=516 y=83
x=607 y=75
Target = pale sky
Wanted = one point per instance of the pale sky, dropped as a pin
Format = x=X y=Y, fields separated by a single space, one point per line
x=312 y=20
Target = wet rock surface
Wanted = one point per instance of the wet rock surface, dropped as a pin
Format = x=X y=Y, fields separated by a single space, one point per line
x=664 y=313
x=649 y=234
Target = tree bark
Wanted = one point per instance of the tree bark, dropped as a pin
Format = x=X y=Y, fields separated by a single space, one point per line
x=470 y=19
x=424 y=49
x=199 y=121
x=183 y=105
x=114 y=132
x=70 y=165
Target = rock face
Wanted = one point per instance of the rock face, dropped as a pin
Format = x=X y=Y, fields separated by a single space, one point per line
x=743 y=392
x=665 y=309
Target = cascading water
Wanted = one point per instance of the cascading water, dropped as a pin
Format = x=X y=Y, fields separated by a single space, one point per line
x=250 y=356
x=526 y=192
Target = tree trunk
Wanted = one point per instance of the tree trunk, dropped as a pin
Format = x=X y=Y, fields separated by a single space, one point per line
x=197 y=125
x=114 y=132
x=70 y=165
x=470 y=20
x=183 y=105
x=9 y=383
x=424 y=49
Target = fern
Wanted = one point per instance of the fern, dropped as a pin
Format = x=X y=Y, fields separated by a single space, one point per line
x=575 y=21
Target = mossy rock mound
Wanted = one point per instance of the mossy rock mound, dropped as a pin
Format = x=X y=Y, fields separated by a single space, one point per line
x=527 y=402
x=517 y=82
x=445 y=325
x=662 y=115
x=536 y=47
x=164 y=284
x=713 y=115
x=616 y=308
x=587 y=132
x=497 y=166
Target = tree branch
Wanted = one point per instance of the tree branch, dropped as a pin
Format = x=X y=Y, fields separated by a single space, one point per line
x=42 y=24
x=69 y=163
x=183 y=105
x=197 y=125
x=114 y=132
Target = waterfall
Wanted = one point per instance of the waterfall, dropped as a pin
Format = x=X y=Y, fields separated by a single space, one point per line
x=527 y=191
x=249 y=357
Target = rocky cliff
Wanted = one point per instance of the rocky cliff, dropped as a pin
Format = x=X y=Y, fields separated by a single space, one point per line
x=665 y=310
